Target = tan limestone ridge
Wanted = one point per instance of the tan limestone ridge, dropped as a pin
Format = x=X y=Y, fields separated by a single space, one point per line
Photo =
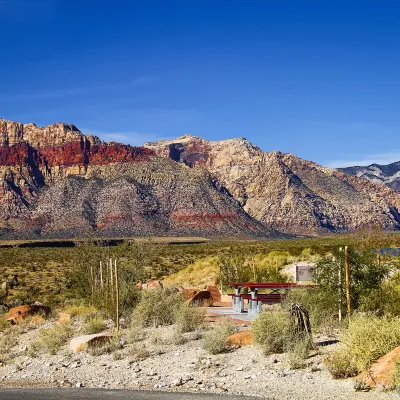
x=284 y=191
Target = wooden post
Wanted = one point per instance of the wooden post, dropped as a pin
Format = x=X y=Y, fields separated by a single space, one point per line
x=101 y=277
x=111 y=282
x=116 y=294
x=92 y=283
x=340 y=292
x=346 y=256
x=107 y=283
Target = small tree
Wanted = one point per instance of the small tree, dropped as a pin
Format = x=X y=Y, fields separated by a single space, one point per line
x=366 y=274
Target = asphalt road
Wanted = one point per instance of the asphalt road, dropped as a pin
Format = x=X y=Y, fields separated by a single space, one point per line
x=102 y=394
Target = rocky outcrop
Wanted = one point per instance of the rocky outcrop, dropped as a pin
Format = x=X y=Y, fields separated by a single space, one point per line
x=388 y=175
x=285 y=192
x=57 y=182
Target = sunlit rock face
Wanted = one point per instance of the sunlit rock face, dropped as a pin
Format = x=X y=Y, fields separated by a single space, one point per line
x=286 y=192
x=57 y=182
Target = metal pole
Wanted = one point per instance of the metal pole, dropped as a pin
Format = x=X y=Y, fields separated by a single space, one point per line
x=346 y=255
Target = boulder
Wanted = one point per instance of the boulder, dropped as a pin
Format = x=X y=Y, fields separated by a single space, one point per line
x=382 y=372
x=203 y=297
x=150 y=285
x=244 y=338
x=81 y=343
x=17 y=315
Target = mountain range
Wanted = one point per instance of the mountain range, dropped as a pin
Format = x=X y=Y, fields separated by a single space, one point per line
x=385 y=174
x=57 y=182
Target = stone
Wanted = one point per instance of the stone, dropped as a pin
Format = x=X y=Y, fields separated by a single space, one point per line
x=243 y=338
x=19 y=314
x=380 y=373
x=81 y=343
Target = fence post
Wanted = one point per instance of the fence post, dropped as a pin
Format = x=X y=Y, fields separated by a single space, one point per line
x=346 y=256
x=116 y=294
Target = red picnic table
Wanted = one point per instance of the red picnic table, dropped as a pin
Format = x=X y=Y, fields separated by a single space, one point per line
x=256 y=300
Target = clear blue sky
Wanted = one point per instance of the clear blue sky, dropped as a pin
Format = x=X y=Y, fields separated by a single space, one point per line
x=319 y=79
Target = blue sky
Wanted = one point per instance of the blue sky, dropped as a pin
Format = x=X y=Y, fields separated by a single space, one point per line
x=319 y=79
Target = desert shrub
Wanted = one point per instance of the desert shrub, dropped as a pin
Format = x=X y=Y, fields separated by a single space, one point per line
x=156 y=337
x=366 y=274
x=108 y=346
x=319 y=305
x=50 y=340
x=385 y=299
x=370 y=337
x=136 y=332
x=131 y=261
x=367 y=338
x=215 y=341
x=8 y=340
x=94 y=323
x=158 y=307
x=297 y=351
x=188 y=319
x=4 y=324
x=341 y=364
x=79 y=310
x=139 y=352
x=272 y=331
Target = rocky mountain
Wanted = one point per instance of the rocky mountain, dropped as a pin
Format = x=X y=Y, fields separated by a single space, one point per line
x=383 y=174
x=285 y=192
x=57 y=182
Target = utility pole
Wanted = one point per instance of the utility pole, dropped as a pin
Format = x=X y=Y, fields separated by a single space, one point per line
x=346 y=256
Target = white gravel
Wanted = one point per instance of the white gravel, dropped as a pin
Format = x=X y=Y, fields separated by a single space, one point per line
x=187 y=367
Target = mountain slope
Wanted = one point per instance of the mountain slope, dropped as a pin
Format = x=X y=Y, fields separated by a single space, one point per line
x=383 y=174
x=67 y=184
x=284 y=191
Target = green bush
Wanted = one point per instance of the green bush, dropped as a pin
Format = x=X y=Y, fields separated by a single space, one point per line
x=367 y=338
x=385 y=299
x=94 y=324
x=320 y=306
x=4 y=324
x=188 y=319
x=136 y=332
x=272 y=331
x=50 y=340
x=215 y=341
x=366 y=275
x=158 y=307
x=341 y=365
x=298 y=351
x=7 y=341
x=370 y=337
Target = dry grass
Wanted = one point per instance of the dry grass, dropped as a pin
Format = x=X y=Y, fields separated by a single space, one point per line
x=94 y=323
x=201 y=273
x=367 y=338
x=50 y=340
x=75 y=310
x=215 y=341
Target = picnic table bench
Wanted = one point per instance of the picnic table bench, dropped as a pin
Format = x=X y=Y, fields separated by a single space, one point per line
x=277 y=293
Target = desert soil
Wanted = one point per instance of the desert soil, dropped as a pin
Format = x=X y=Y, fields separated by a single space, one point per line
x=182 y=368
